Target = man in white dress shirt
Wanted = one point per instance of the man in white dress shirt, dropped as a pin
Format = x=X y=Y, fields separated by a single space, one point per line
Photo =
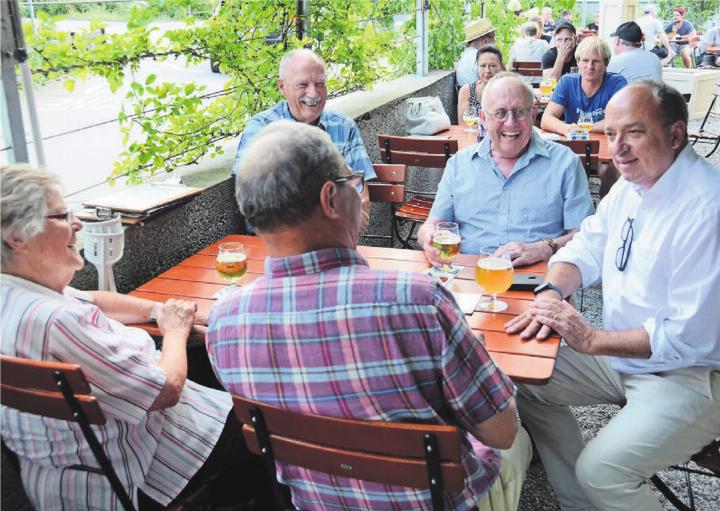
x=655 y=243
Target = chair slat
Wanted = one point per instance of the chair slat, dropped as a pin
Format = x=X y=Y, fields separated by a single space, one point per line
x=50 y=404
x=384 y=192
x=390 y=172
x=22 y=372
x=419 y=144
x=388 y=438
x=415 y=159
x=527 y=68
x=357 y=465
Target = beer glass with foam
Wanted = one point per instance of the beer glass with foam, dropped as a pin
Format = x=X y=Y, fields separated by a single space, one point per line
x=447 y=240
x=231 y=262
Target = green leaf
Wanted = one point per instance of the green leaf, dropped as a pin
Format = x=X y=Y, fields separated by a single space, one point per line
x=150 y=79
x=69 y=85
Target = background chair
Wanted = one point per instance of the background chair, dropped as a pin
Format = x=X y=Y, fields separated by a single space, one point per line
x=59 y=391
x=388 y=188
x=526 y=68
x=414 y=455
x=705 y=137
x=708 y=461
x=427 y=152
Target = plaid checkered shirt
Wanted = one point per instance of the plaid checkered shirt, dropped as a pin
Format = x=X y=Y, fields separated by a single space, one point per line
x=323 y=333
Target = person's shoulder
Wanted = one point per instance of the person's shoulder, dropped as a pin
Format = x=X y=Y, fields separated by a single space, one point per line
x=336 y=118
x=272 y=114
x=615 y=80
x=401 y=288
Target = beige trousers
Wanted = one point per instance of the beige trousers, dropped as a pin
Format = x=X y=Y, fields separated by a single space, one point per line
x=504 y=494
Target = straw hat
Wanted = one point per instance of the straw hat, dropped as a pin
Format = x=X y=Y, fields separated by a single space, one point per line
x=478 y=29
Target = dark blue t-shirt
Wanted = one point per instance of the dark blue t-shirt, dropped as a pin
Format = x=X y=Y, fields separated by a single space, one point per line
x=685 y=28
x=570 y=96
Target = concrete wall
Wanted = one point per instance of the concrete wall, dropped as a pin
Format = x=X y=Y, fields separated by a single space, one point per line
x=166 y=239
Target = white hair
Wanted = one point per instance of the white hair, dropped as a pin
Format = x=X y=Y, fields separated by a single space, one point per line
x=289 y=56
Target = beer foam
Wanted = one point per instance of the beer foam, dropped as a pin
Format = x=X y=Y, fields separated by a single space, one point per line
x=494 y=263
x=446 y=238
x=230 y=257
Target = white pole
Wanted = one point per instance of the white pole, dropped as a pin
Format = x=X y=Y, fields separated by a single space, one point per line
x=32 y=112
x=421 y=22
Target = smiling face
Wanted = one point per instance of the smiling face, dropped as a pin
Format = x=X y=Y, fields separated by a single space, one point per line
x=52 y=255
x=642 y=148
x=304 y=87
x=591 y=66
x=488 y=66
x=510 y=137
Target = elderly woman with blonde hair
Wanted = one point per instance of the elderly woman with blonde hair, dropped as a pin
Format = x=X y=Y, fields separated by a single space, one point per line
x=163 y=434
x=583 y=94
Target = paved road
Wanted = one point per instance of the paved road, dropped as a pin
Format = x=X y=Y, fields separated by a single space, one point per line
x=82 y=136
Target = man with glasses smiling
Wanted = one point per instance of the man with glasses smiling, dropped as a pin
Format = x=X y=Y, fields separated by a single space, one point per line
x=655 y=244
x=513 y=192
x=323 y=333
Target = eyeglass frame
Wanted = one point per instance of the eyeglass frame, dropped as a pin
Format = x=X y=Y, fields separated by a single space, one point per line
x=359 y=176
x=526 y=114
x=623 y=253
x=68 y=216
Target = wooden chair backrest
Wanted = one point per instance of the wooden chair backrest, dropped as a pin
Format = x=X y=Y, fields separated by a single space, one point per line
x=527 y=68
x=417 y=151
x=389 y=186
x=29 y=386
x=384 y=452
x=587 y=150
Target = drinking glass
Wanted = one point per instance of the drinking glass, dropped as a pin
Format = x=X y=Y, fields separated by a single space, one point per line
x=231 y=262
x=470 y=117
x=447 y=240
x=585 y=121
x=546 y=88
x=494 y=274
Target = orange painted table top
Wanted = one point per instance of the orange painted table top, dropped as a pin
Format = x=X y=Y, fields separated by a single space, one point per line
x=465 y=139
x=527 y=361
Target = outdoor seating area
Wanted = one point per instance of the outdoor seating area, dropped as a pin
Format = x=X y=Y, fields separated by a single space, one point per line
x=488 y=287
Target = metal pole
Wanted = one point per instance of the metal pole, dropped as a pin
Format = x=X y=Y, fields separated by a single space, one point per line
x=31 y=8
x=302 y=9
x=9 y=81
x=421 y=22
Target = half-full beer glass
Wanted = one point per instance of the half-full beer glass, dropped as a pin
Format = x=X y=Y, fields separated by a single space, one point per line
x=231 y=262
x=447 y=240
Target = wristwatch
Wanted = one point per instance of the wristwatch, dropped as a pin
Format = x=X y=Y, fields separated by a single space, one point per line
x=154 y=311
x=552 y=244
x=547 y=285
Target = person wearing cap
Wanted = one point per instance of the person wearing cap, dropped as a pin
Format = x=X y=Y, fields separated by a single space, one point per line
x=681 y=28
x=558 y=60
x=656 y=40
x=630 y=59
x=478 y=33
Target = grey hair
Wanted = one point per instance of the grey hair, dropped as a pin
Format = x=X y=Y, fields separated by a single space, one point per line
x=281 y=174
x=23 y=203
x=625 y=42
x=507 y=75
x=287 y=58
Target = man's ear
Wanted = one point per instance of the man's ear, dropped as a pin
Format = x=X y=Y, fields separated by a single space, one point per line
x=330 y=200
x=14 y=242
x=281 y=86
x=678 y=130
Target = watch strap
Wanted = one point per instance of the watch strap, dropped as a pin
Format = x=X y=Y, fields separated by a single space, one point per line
x=547 y=285
x=552 y=244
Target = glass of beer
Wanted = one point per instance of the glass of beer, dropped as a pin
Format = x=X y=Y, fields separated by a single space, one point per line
x=470 y=117
x=447 y=240
x=585 y=121
x=494 y=274
x=231 y=262
x=546 y=88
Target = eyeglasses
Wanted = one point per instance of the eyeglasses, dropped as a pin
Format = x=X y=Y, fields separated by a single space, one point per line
x=356 y=179
x=68 y=216
x=520 y=114
x=623 y=253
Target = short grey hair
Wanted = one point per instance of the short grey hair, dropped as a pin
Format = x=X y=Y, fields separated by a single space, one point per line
x=502 y=75
x=625 y=42
x=287 y=58
x=282 y=172
x=23 y=203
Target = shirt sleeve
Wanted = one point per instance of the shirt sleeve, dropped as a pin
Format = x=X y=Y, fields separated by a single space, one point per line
x=120 y=367
x=357 y=156
x=252 y=128
x=577 y=203
x=444 y=198
x=687 y=328
x=587 y=247
x=668 y=28
x=548 y=59
x=473 y=386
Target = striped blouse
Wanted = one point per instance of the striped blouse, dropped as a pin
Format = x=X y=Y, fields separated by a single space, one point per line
x=157 y=451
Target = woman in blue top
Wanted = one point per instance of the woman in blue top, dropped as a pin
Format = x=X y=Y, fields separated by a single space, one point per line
x=585 y=92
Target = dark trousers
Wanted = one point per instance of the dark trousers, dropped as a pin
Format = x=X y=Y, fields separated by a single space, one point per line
x=237 y=474
x=660 y=51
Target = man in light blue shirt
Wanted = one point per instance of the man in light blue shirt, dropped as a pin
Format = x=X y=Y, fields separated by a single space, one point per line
x=654 y=242
x=513 y=192
x=302 y=83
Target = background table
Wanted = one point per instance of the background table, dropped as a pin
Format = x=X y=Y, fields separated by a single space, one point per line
x=464 y=139
x=529 y=361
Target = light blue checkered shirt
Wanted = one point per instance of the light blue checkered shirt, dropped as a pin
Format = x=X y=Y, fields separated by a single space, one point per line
x=545 y=195
x=342 y=130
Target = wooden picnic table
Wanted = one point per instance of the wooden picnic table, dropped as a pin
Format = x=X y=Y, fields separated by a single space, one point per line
x=527 y=361
x=464 y=139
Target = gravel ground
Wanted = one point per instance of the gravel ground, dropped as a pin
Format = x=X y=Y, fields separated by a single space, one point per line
x=537 y=493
